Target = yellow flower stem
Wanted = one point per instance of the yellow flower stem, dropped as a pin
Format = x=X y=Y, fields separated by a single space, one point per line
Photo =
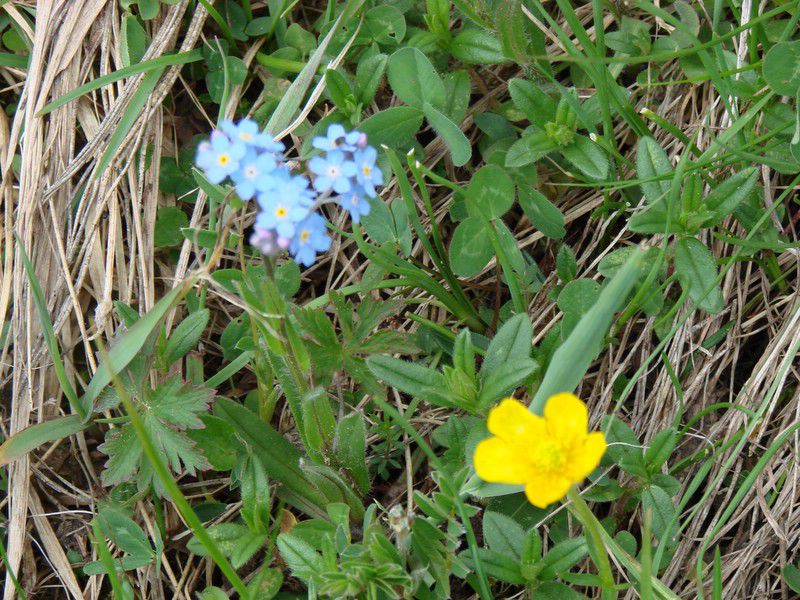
x=592 y=527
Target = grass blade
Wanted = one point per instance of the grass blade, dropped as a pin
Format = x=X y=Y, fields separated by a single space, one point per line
x=160 y=63
x=49 y=335
x=573 y=357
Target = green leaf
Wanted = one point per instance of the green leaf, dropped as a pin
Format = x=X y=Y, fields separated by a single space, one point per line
x=279 y=457
x=217 y=440
x=495 y=565
x=186 y=335
x=562 y=557
x=658 y=502
x=724 y=198
x=588 y=157
x=350 y=449
x=407 y=377
x=528 y=97
x=504 y=379
x=34 y=436
x=340 y=91
x=510 y=22
x=479 y=47
x=300 y=556
x=543 y=214
x=457 y=88
x=255 y=493
x=81 y=407
x=385 y=24
x=117 y=525
x=148 y=9
x=290 y=102
x=133 y=41
x=503 y=534
x=791 y=575
x=470 y=248
x=369 y=74
x=169 y=222
x=512 y=341
x=454 y=138
x=566 y=265
x=532 y=146
x=490 y=192
x=414 y=80
x=392 y=127
x=156 y=64
x=697 y=270
x=781 y=68
x=660 y=448
x=655 y=219
x=652 y=162
x=555 y=590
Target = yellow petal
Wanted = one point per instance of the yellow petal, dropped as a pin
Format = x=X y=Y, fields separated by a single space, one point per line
x=546 y=489
x=585 y=459
x=567 y=420
x=497 y=461
x=512 y=421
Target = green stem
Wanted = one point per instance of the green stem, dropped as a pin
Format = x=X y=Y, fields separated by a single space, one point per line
x=592 y=526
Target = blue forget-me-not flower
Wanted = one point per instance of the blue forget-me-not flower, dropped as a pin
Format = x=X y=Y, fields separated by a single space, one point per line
x=287 y=218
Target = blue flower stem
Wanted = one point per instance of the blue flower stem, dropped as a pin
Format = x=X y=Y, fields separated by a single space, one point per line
x=592 y=527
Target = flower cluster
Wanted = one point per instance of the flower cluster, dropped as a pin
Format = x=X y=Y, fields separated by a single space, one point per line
x=545 y=454
x=345 y=173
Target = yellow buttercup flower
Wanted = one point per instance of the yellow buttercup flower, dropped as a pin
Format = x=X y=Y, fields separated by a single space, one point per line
x=545 y=454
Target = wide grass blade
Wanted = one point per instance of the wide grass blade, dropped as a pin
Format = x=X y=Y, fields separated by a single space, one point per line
x=34 y=436
x=573 y=357
x=290 y=103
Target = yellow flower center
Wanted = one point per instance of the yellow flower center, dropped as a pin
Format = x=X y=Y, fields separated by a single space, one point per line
x=366 y=169
x=223 y=159
x=305 y=234
x=281 y=212
x=245 y=137
x=546 y=457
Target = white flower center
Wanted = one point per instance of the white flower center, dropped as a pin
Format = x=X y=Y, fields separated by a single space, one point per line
x=333 y=171
x=250 y=172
